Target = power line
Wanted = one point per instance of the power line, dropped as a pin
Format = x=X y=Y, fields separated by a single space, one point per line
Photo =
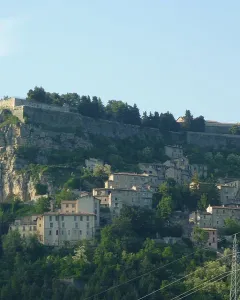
x=199 y=287
x=149 y=272
x=171 y=283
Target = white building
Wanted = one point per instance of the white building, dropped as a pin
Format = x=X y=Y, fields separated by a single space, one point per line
x=85 y=203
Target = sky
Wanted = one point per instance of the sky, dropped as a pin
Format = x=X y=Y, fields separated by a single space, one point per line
x=163 y=55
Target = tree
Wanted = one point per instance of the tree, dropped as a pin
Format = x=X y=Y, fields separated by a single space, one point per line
x=188 y=119
x=200 y=236
x=42 y=205
x=41 y=189
x=102 y=171
x=164 y=208
x=38 y=94
x=198 y=124
x=235 y=129
x=203 y=202
x=231 y=226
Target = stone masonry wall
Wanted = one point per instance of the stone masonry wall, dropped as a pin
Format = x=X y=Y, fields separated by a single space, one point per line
x=67 y=121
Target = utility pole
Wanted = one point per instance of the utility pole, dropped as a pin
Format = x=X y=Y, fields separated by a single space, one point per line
x=235 y=275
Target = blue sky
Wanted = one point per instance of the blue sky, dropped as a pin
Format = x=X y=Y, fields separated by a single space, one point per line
x=163 y=55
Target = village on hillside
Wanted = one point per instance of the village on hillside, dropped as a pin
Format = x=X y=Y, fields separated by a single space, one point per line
x=81 y=218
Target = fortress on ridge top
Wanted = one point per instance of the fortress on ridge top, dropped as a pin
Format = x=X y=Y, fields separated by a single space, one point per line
x=13 y=103
x=64 y=119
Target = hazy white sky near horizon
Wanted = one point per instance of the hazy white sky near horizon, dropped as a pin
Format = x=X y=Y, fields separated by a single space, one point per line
x=162 y=55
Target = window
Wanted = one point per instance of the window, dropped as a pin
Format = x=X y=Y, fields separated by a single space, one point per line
x=10 y=228
x=213 y=232
x=50 y=232
x=75 y=218
x=23 y=228
x=51 y=225
x=115 y=198
x=217 y=222
x=87 y=225
x=62 y=218
x=30 y=228
x=50 y=218
x=63 y=225
x=209 y=244
x=66 y=205
x=87 y=218
x=80 y=231
x=56 y=232
x=73 y=205
x=34 y=228
x=62 y=232
x=68 y=232
x=40 y=225
x=76 y=225
x=56 y=218
x=213 y=240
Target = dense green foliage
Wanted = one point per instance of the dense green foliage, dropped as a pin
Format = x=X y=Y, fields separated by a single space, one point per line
x=29 y=271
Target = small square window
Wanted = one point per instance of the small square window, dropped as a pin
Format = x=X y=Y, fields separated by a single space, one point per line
x=56 y=232
x=63 y=225
x=50 y=232
x=80 y=231
x=76 y=225
x=51 y=225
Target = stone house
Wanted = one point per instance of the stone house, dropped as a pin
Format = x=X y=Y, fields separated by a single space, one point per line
x=128 y=180
x=26 y=226
x=115 y=199
x=215 y=216
x=212 y=238
x=91 y=163
x=173 y=151
x=153 y=169
x=229 y=192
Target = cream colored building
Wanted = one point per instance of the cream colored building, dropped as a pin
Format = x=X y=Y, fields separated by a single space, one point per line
x=115 y=199
x=128 y=180
x=85 y=203
x=215 y=216
x=173 y=151
x=56 y=228
x=91 y=163
x=26 y=226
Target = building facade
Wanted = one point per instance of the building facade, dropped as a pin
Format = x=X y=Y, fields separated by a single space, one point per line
x=173 y=151
x=215 y=216
x=56 y=228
